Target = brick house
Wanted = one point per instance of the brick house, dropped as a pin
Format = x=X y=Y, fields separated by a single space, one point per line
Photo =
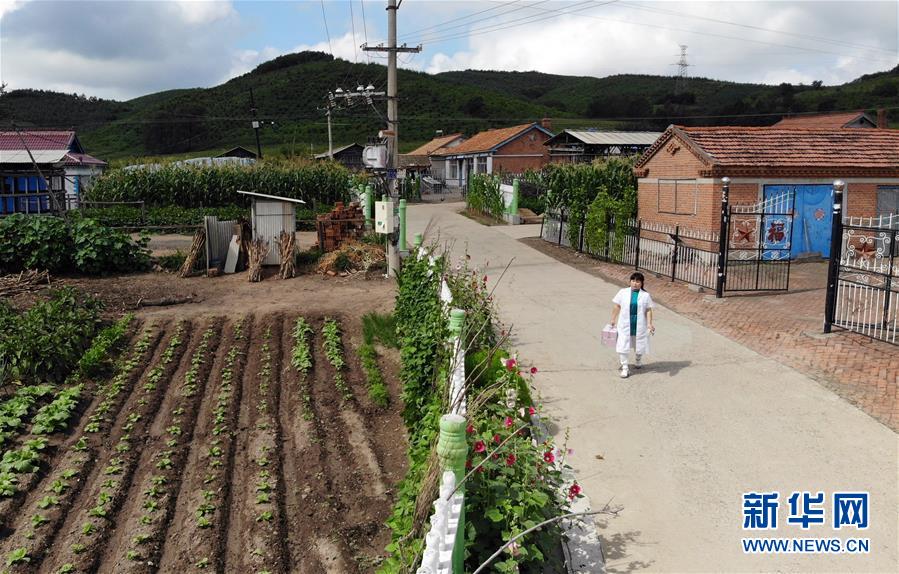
x=419 y=159
x=679 y=177
x=506 y=150
x=834 y=120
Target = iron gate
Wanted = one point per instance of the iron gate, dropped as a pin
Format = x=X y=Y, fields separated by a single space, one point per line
x=759 y=240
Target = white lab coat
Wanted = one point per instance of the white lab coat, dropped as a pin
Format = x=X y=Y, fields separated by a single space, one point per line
x=644 y=302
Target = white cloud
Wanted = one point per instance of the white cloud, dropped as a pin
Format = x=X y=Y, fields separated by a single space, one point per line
x=205 y=11
x=7 y=6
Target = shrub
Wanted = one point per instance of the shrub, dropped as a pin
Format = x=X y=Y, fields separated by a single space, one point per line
x=80 y=245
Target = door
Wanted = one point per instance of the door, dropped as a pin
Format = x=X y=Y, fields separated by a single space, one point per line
x=812 y=217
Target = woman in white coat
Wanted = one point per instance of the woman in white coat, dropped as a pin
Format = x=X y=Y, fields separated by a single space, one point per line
x=635 y=324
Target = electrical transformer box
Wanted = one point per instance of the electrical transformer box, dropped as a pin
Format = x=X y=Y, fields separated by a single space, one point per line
x=384 y=219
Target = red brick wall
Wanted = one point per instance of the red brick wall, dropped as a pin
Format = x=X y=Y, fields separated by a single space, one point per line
x=681 y=165
x=523 y=144
x=861 y=199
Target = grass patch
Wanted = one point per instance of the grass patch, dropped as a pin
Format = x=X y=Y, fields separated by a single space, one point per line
x=309 y=257
x=380 y=328
x=377 y=390
x=173 y=261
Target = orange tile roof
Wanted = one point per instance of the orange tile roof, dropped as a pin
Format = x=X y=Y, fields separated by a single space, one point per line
x=433 y=145
x=758 y=149
x=822 y=121
x=486 y=141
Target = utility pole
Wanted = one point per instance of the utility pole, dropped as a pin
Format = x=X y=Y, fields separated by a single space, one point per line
x=255 y=124
x=392 y=112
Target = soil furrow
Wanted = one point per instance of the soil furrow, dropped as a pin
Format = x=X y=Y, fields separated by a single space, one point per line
x=74 y=469
x=91 y=521
x=255 y=536
x=136 y=543
x=194 y=536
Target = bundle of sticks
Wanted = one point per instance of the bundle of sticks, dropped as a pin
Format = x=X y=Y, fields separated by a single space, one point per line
x=190 y=261
x=23 y=282
x=287 y=243
x=258 y=251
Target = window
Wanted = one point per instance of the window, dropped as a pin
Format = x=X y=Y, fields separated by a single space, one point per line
x=482 y=164
x=453 y=169
x=677 y=196
x=887 y=199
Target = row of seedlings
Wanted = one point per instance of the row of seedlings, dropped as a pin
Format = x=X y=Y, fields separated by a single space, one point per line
x=377 y=388
x=259 y=522
x=201 y=516
x=86 y=530
x=141 y=532
x=46 y=509
x=301 y=359
x=333 y=348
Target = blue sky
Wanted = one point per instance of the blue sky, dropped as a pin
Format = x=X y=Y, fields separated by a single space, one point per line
x=126 y=48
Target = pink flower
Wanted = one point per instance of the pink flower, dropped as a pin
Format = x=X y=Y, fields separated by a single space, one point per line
x=480 y=446
x=573 y=491
x=548 y=456
x=510 y=364
x=510 y=460
x=469 y=429
x=509 y=422
x=497 y=439
x=532 y=411
x=533 y=370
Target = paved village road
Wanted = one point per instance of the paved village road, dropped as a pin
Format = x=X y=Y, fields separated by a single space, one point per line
x=675 y=446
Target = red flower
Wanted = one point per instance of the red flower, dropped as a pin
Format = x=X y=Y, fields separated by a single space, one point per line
x=573 y=491
x=497 y=439
x=510 y=364
x=468 y=464
x=480 y=446
x=469 y=429
x=532 y=411
x=533 y=370
x=510 y=460
x=495 y=456
x=548 y=456
x=509 y=422
x=480 y=469
x=485 y=278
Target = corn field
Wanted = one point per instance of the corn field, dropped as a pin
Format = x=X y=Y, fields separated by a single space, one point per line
x=213 y=186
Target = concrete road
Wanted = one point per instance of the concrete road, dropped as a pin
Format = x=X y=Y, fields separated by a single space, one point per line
x=675 y=447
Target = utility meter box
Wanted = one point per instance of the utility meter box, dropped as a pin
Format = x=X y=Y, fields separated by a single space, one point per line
x=384 y=220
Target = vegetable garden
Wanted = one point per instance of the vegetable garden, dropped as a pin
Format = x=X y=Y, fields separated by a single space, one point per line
x=219 y=444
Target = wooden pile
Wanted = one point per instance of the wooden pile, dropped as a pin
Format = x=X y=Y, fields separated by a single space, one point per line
x=190 y=261
x=23 y=282
x=339 y=225
x=258 y=251
x=287 y=245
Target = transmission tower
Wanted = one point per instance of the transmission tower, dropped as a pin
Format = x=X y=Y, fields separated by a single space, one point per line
x=680 y=84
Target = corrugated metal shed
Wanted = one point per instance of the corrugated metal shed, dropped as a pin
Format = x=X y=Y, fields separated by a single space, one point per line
x=218 y=237
x=614 y=138
x=270 y=216
x=40 y=156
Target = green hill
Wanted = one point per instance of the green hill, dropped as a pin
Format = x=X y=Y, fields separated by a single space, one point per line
x=290 y=91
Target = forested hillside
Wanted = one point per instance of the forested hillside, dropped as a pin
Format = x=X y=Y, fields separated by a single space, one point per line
x=289 y=94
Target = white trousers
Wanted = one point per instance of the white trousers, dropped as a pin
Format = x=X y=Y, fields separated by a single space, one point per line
x=623 y=357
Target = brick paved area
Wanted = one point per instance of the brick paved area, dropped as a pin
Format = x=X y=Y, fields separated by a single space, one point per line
x=785 y=326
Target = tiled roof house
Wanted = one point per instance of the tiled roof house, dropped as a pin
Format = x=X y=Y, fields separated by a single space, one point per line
x=679 y=177
x=834 y=120
x=61 y=159
x=506 y=150
x=419 y=159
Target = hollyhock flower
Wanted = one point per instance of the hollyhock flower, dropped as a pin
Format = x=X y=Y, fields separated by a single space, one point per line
x=533 y=370
x=510 y=364
x=480 y=469
x=497 y=439
x=495 y=456
x=570 y=451
x=548 y=456
x=573 y=491
x=514 y=549
x=510 y=460
x=468 y=464
x=469 y=429
x=509 y=422
x=532 y=411
x=480 y=446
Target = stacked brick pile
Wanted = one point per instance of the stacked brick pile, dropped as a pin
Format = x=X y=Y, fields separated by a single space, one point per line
x=341 y=224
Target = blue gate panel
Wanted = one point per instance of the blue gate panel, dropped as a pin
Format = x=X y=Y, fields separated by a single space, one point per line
x=811 y=220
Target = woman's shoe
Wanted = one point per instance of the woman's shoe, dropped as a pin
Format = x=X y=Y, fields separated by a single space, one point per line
x=623 y=371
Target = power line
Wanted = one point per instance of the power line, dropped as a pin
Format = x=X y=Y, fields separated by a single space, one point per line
x=634 y=6
x=464 y=24
x=364 y=28
x=461 y=18
x=327 y=32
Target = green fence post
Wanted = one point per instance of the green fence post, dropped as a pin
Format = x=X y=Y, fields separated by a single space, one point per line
x=402 y=240
x=513 y=206
x=369 y=207
x=452 y=451
x=456 y=319
x=417 y=240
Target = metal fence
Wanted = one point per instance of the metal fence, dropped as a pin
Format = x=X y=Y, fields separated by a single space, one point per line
x=673 y=252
